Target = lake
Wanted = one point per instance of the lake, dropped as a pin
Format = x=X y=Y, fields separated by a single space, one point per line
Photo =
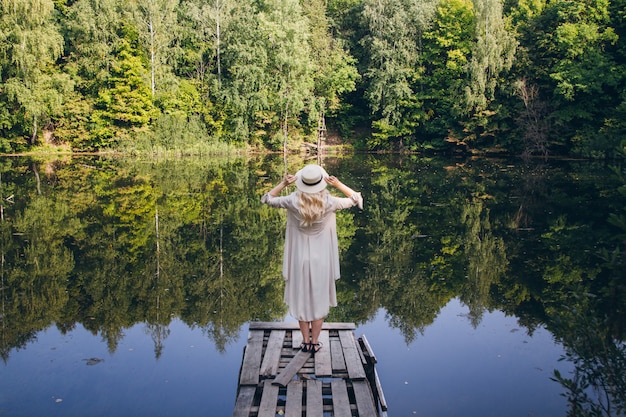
x=486 y=287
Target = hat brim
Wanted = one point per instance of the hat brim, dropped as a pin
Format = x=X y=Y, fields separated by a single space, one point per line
x=311 y=189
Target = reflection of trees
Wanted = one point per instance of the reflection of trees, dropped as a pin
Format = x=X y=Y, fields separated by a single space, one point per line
x=597 y=386
x=529 y=196
x=195 y=263
x=575 y=283
x=88 y=249
x=414 y=308
x=590 y=324
x=486 y=261
x=236 y=272
x=210 y=248
x=397 y=262
x=34 y=284
x=389 y=247
x=157 y=326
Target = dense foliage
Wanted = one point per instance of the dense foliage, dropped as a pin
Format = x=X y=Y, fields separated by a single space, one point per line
x=522 y=76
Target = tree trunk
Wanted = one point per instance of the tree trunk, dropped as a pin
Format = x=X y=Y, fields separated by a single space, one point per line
x=152 y=58
x=33 y=138
x=285 y=130
x=217 y=45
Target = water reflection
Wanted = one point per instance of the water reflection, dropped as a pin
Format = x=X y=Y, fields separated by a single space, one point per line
x=106 y=244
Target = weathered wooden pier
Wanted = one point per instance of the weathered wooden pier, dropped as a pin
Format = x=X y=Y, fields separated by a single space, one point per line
x=277 y=378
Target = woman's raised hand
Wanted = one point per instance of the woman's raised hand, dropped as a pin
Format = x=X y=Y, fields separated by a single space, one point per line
x=332 y=180
x=289 y=179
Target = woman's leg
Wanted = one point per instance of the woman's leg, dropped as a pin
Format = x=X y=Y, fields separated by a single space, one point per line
x=306 y=333
x=316 y=329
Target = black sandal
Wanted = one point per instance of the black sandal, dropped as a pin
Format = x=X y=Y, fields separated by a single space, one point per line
x=315 y=347
x=305 y=347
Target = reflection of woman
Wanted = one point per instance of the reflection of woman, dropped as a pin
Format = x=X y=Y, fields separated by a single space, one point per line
x=311 y=255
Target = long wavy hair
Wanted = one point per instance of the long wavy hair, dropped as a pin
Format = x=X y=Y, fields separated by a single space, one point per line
x=311 y=207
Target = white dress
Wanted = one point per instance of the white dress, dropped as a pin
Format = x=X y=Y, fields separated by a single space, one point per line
x=311 y=257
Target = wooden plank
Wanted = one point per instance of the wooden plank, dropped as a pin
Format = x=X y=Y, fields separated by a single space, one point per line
x=364 y=399
x=314 y=401
x=245 y=397
x=293 y=406
x=361 y=354
x=341 y=401
x=271 y=359
x=336 y=353
x=264 y=325
x=368 y=349
x=267 y=408
x=252 y=359
x=322 y=357
x=351 y=355
x=379 y=390
x=341 y=356
x=292 y=368
x=296 y=339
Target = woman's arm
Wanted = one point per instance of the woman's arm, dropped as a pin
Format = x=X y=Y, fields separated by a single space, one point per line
x=288 y=180
x=332 y=180
x=354 y=198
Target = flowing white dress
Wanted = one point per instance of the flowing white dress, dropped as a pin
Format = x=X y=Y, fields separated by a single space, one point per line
x=311 y=257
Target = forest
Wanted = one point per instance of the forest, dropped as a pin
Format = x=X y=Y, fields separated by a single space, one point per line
x=523 y=77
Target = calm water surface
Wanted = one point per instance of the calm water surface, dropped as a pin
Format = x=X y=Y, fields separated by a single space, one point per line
x=127 y=286
x=452 y=370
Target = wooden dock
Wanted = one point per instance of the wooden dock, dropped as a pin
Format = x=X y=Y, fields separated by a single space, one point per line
x=277 y=378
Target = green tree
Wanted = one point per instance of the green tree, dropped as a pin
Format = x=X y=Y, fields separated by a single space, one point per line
x=157 y=26
x=32 y=87
x=125 y=99
x=94 y=33
x=290 y=68
x=245 y=59
x=93 y=29
x=335 y=71
x=209 y=17
x=572 y=60
x=615 y=124
x=197 y=86
x=268 y=69
x=446 y=52
x=393 y=44
x=492 y=56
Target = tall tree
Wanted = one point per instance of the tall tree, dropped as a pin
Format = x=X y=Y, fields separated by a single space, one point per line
x=394 y=29
x=245 y=71
x=492 y=55
x=573 y=62
x=156 y=25
x=125 y=100
x=615 y=124
x=268 y=69
x=446 y=53
x=335 y=72
x=290 y=67
x=93 y=30
x=29 y=45
x=209 y=18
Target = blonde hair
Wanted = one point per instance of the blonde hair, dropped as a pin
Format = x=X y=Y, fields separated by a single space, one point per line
x=311 y=207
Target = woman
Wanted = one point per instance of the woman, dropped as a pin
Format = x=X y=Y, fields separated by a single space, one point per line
x=311 y=254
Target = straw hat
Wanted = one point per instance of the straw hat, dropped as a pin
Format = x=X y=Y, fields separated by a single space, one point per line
x=310 y=179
